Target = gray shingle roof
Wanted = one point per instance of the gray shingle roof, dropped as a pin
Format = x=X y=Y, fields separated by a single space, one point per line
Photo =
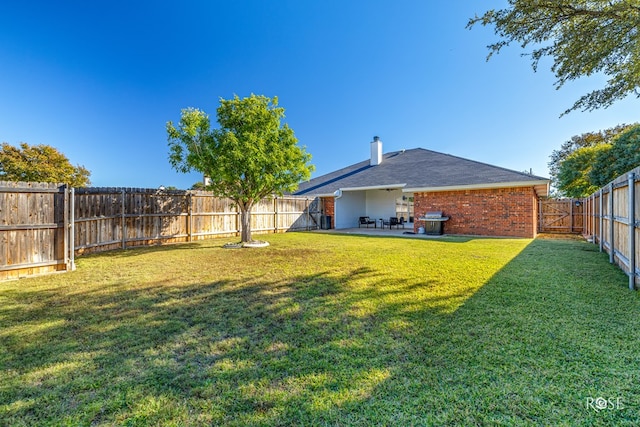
x=417 y=168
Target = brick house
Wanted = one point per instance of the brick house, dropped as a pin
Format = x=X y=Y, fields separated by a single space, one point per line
x=479 y=199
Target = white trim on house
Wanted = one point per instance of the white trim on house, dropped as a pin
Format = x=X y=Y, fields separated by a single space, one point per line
x=541 y=187
x=375 y=187
x=320 y=195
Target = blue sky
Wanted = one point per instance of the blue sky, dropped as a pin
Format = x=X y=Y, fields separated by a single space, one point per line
x=99 y=80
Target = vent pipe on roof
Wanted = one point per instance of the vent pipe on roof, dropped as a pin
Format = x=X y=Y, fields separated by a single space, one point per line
x=376 y=151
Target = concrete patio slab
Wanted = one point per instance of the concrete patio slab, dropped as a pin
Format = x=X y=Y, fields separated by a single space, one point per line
x=406 y=232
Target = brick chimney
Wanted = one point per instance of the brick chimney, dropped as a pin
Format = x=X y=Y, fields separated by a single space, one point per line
x=376 y=151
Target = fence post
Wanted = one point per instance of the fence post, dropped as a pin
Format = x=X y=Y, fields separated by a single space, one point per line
x=275 y=214
x=612 y=228
x=190 y=218
x=72 y=229
x=601 y=220
x=632 y=231
x=587 y=217
x=571 y=215
x=237 y=222
x=124 y=223
x=594 y=219
x=65 y=226
x=584 y=216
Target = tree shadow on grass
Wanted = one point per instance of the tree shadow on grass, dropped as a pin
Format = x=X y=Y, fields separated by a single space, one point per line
x=324 y=348
x=135 y=251
x=272 y=351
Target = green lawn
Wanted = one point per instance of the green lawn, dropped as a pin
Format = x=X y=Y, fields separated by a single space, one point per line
x=322 y=329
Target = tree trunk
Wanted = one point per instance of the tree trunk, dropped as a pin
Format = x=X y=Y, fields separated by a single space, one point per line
x=245 y=222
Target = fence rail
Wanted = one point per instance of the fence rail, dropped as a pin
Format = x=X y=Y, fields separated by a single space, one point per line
x=43 y=226
x=612 y=222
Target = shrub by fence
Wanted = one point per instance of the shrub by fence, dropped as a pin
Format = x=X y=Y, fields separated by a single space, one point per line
x=612 y=222
x=43 y=226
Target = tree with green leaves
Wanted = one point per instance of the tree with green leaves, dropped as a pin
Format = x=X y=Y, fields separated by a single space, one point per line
x=583 y=38
x=590 y=167
x=252 y=155
x=40 y=163
x=577 y=142
x=621 y=156
x=573 y=178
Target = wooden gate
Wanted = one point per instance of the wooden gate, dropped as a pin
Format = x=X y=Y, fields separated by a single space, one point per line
x=561 y=216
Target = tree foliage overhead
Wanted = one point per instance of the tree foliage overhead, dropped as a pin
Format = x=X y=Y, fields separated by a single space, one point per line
x=621 y=156
x=252 y=155
x=573 y=179
x=589 y=167
x=585 y=140
x=583 y=37
x=40 y=163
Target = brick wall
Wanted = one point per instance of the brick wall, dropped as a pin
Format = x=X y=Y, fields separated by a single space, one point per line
x=510 y=212
x=329 y=204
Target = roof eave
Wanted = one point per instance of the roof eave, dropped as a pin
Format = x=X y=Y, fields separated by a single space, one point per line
x=541 y=187
x=312 y=194
x=375 y=187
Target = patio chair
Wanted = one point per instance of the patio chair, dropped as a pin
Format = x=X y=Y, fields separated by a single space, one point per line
x=365 y=220
x=395 y=221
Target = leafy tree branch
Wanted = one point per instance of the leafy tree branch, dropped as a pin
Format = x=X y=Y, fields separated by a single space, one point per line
x=582 y=38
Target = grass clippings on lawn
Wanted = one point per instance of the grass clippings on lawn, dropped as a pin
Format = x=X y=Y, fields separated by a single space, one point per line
x=325 y=330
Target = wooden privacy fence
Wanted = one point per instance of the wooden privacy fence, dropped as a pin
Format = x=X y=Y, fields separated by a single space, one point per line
x=35 y=229
x=561 y=216
x=112 y=218
x=612 y=222
x=45 y=225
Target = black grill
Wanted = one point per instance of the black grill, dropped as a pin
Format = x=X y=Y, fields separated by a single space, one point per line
x=433 y=222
